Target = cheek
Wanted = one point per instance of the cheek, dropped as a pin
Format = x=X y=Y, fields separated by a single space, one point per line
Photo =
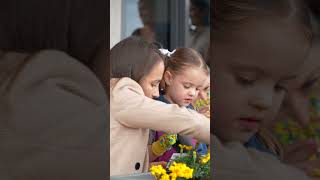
x=201 y=95
x=276 y=108
x=147 y=89
x=299 y=102
x=177 y=88
x=228 y=90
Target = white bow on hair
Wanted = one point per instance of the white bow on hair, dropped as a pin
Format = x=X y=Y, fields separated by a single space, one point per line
x=166 y=52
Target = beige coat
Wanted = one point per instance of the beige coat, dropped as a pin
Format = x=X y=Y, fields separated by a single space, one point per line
x=52 y=118
x=233 y=161
x=133 y=114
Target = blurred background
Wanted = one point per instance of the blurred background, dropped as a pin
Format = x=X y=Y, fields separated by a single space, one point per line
x=172 y=23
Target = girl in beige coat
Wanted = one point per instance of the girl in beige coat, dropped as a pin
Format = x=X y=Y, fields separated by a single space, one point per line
x=136 y=71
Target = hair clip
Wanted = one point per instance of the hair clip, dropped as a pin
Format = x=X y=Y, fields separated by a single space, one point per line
x=166 y=52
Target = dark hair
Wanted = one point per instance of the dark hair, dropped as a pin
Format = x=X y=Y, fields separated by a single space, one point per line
x=228 y=14
x=185 y=57
x=146 y=12
x=314 y=6
x=204 y=8
x=136 y=32
x=134 y=58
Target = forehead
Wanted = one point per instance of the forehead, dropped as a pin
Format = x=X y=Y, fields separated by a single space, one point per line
x=194 y=75
x=278 y=48
x=156 y=71
x=311 y=67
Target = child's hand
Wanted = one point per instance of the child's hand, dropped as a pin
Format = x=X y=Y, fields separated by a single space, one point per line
x=164 y=143
x=205 y=110
x=300 y=151
x=168 y=140
x=311 y=168
x=298 y=155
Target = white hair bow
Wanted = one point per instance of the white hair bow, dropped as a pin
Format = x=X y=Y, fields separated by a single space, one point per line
x=166 y=52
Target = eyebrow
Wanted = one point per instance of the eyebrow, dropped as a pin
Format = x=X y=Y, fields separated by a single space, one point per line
x=184 y=82
x=156 y=81
x=288 y=78
x=249 y=68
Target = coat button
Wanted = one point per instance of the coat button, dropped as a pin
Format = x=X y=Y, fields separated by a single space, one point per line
x=137 y=166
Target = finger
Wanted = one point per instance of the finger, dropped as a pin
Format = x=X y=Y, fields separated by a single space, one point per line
x=299 y=144
x=300 y=154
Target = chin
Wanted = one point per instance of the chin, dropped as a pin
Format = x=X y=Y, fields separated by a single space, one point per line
x=239 y=137
x=244 y=137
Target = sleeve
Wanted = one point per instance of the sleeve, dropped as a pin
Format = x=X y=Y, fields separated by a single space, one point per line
x=234 y=161
x=138 y=111
x=53 y=121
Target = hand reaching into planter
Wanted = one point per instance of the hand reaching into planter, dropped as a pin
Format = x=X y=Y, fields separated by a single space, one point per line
x=165 y=142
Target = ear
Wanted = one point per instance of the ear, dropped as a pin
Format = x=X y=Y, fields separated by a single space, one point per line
x=168 y=77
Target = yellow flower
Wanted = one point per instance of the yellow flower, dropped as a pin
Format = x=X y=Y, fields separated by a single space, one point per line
x=315 y=173
x=188 y=148
x=181 y=146
x=313 y=157
x=205 y=158
x=180 y=170
x=165 y=177
x=157 y=170
x=173 y=176
x=188 y=172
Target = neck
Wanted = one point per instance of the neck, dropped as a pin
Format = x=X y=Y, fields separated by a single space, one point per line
x=169 y=98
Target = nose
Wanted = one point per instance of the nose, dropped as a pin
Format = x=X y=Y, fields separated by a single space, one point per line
x=155 y=93
x=192 y=92
x=262 y=100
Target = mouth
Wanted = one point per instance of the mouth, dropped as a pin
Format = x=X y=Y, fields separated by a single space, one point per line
x=188 y=100
x=250 y=123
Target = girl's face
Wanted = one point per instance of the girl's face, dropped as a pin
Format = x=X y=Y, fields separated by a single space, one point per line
x=182 y=88
x=196 y=15
x=251 y=73
x=297 y=102
x=150 y=82
x=205 y=89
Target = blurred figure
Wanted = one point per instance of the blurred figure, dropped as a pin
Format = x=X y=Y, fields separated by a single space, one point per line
x=200 y=31
x=53 y=106
x=146 y=32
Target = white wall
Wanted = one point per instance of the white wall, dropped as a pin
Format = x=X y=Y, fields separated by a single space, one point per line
x=115 y=21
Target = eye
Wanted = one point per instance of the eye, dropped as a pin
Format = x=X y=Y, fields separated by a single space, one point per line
x=280 y=88
x=155 y=84
x=245 y=80
x=187 y=86
x=309 y=84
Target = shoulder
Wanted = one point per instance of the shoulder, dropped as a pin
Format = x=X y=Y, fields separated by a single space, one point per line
x=125 y=89
x=125 y=83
